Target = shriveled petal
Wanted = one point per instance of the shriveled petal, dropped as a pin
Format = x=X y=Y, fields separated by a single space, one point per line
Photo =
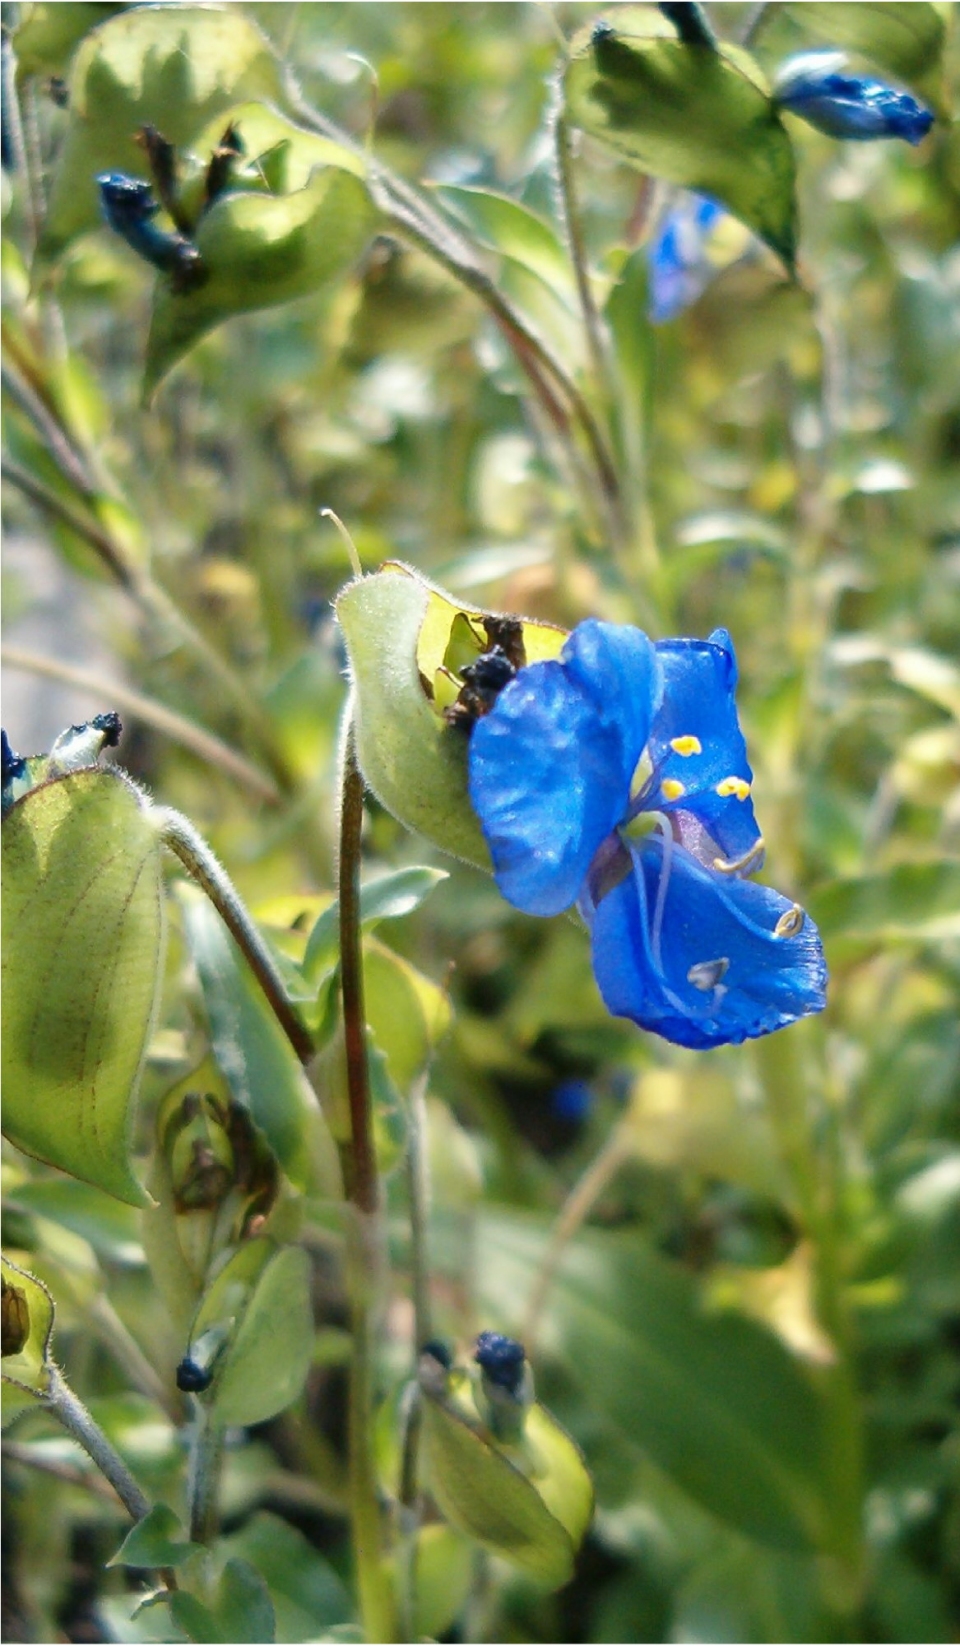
x=551 y=764
x=693 y=955
x=701 y=770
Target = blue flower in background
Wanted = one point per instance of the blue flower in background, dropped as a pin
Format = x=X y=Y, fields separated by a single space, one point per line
x=617 y=778
x=845 y=105
x=680 y=268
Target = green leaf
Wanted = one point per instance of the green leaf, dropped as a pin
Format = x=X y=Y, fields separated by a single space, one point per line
x=308 y=1596
x=253 y=1052
x=176 y=67
x=28 y=1316
x=906 y=40
x=397 y=629
x=489 y=1497
x=387 y=897
x=82 y=949
x=633 y=358
x=258 y=251
x=444 y=1577
x=700 y=118
x=913 y=901
x=111 y=1228
x=48 y=35
x=261 y=1300
x=513 y=230
x=156 y=1540
x=715 y=1400
x=406 y=1012
x=244 y=1609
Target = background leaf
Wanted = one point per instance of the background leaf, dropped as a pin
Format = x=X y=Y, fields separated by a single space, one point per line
x=82 y=937
x=714 y=1399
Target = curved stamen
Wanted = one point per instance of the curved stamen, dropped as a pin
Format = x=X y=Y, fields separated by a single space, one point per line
x=742 y=865
x=656 y=930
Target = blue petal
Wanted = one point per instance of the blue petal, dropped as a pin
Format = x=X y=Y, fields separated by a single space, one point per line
x=679 y=267
x=692 y=956
x=551 y=764
x=696 y=742
x=847 y=106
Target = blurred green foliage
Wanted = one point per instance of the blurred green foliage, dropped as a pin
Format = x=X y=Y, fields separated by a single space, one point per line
x=755 y=1343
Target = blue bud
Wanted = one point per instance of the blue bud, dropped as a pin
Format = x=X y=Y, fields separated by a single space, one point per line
x=191 y=1378
x=502 y=1360
x=129 y=208
x=843 y=105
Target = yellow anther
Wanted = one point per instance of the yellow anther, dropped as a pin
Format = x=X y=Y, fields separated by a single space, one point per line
x=742 y=865
x=733 y=785
x=686 y=745
x=671 y=789
x=707 y=974
x=790 y=923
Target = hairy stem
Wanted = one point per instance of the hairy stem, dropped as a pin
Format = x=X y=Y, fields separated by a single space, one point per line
x=363 y=1230
x=185 y=842
x=206 y=1457
x=72 y=1413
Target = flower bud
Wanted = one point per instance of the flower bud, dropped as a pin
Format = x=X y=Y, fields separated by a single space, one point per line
x=15 y=1319
x=506 y=1385
x=852 y=106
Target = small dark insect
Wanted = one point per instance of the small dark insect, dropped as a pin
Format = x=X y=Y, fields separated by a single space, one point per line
x=484 y=680
x=129 y=207
x=57 y=92
x=191 y=1378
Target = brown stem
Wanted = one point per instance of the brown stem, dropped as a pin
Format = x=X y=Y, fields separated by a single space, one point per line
x=362 y=1188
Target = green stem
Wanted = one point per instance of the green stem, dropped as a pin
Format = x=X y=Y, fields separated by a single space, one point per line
x=185 y=842
x=418 y=220
x=573 y=225
x=363 y=1227
x=206 y=1457
x=73 y=1414
x=575 y=1210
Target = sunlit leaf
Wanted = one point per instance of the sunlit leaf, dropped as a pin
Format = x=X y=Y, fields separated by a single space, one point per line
x=690 y=115
x=397 y=629
x=82 y=939
x=258 y=250
x=47 y=35
x=176 y=67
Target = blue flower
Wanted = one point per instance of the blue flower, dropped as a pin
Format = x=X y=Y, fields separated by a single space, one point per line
x=617 y=777
x=680 y=269
x=845 y=105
